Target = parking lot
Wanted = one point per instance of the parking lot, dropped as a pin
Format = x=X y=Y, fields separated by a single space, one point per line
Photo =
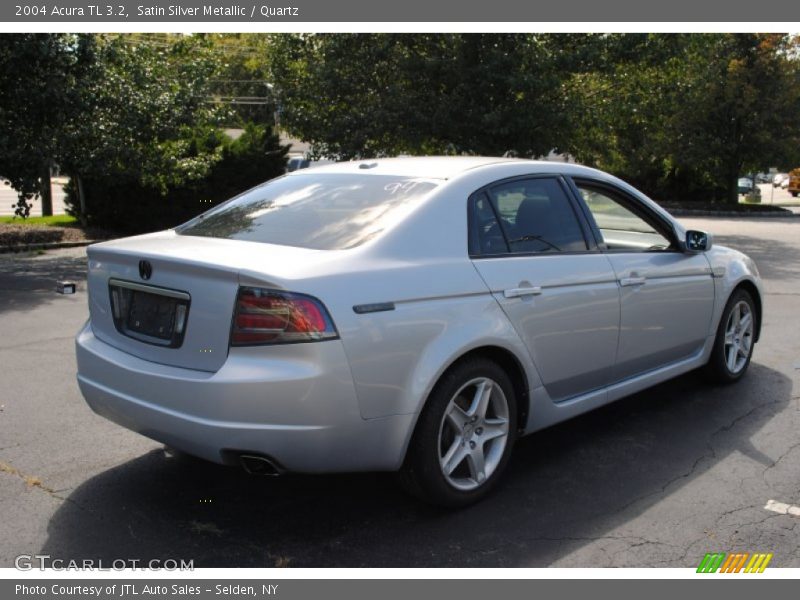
x=775 y=195
x=655 y=480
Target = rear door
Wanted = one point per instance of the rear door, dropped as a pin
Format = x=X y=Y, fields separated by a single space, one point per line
x=560 y=293
x=666 y=296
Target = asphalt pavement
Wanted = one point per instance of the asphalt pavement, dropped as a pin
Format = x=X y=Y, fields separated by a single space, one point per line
x=654 y=480
x=773 y=195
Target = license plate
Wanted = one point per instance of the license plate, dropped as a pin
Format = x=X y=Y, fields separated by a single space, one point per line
x=149 y=314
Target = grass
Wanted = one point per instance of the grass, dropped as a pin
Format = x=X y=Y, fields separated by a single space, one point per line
x=56 y=220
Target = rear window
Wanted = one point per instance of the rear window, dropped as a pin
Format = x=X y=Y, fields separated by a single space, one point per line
x=330 y=211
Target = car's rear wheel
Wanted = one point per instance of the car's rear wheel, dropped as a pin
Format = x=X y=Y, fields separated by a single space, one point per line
x=464 y=435
x=733 y=346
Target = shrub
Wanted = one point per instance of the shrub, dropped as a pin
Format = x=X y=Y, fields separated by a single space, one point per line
x=122 y=202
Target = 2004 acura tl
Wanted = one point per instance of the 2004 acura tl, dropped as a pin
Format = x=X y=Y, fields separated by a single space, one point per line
x=406 y=314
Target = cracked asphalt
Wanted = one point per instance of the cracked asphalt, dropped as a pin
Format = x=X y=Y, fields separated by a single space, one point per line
x=655 y=480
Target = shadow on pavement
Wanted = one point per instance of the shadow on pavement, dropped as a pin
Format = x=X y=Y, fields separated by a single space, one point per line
x=565 y=486
x=27 y=281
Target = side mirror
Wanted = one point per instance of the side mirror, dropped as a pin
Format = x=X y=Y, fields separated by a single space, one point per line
x=697 y=241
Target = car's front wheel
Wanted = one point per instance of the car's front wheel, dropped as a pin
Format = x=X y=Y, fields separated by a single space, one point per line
x=733 y=346
x=464 y=435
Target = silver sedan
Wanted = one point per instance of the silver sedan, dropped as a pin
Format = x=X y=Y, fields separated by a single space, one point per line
x=414 y=315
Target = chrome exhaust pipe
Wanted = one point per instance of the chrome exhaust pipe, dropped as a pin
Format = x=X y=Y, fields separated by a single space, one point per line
x=259 y=465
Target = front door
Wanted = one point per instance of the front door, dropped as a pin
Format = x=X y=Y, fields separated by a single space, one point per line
x=666 y=296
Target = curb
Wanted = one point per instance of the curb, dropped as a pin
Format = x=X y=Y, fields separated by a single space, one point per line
x=730 y=213
x=44 y=246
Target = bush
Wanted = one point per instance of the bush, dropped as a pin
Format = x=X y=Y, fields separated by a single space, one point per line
x=123 y=203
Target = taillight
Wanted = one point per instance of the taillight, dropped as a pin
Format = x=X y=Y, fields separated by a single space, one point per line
x=265 y=316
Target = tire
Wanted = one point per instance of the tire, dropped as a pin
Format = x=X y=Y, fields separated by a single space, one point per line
x=733 y=346
x=794 y=194
x=472 y=401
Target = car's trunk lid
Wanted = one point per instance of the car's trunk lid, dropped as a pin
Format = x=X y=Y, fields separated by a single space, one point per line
x=169 y=298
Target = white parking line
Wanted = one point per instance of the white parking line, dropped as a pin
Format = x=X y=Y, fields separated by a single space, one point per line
x=782 y=508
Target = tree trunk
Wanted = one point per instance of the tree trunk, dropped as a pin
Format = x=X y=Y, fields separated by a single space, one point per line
x=733 y=168
x=732 y=195
x=81 y=199
x=46 y=192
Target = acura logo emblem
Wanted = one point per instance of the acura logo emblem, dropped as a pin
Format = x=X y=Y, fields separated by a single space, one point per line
x=145 y=269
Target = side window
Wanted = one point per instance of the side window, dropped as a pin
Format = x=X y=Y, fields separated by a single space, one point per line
x=486 y=237
x=535 y=215
x=622 y=229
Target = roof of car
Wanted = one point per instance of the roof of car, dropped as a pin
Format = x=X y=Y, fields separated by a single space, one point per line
x=427 y=167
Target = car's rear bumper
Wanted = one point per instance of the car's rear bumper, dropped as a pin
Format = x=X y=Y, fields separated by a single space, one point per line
x=295 y=404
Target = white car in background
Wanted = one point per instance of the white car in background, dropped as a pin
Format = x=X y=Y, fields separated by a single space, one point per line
x=414 y=315
x=780 y=180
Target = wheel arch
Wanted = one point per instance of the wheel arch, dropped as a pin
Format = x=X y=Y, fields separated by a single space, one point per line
x=507 y=360
x=755 y=294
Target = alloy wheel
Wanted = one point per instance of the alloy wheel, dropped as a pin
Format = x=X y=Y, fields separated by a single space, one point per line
x=473 y=433
x=738 y=337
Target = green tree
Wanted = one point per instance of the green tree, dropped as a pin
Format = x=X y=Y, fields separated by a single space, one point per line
x=142 y=113
x=684 y=115
x=243 y=81
x=680 y=115
x=134 y=120
x=37 y=84
x=622 y=91
x=741 y=106
x=360 y=95
x=150 y=151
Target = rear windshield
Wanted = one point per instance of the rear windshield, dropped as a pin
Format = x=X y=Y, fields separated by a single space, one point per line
x=329 y=211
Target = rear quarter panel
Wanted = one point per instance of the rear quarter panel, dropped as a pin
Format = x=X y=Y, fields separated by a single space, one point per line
x=442 y=309
x=397 y=357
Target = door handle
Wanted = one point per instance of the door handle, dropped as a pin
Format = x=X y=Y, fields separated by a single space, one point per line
x=522 y=292
x=626 y=281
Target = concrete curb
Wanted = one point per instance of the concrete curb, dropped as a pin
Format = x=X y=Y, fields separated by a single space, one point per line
x=44 y=246
x=679 y=212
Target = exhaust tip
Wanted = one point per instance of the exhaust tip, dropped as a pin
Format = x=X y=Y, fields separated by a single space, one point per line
x=259 y=465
